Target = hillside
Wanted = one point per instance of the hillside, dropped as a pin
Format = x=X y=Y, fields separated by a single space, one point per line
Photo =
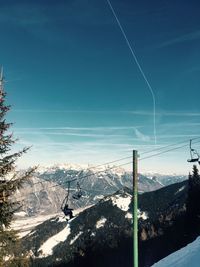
x=39 y=197
x=103 y=228
x=165 y=230
x=106 y=229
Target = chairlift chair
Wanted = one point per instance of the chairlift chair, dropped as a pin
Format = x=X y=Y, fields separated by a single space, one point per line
x=64 y=207
x=78 y=194
x=195 y=157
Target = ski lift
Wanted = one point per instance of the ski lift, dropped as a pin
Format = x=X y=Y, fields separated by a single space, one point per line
x=194 y=154
x=78 y=194
x=65 y=207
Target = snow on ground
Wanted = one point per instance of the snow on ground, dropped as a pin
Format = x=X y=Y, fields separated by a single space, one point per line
x=122 y=202
x=23 y=233
x=47 y=247
x=20 y=214
x=62 y=218
x=78 y=211
x=100 y=223
x=99 y=197
x=129 y=215
x=25 y=224
x=188 y=256
x=180 y=189
x=142 y=214
x=75 y=238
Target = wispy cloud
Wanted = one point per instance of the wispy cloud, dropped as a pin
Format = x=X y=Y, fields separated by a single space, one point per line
x=141 y=136
x=165 y=113
x=181 y=114
x=72 y=134
x=136 y=112
x=133 y=112
x=178 y=136
x=183 y=38
x=99 y=128
x=95 y=153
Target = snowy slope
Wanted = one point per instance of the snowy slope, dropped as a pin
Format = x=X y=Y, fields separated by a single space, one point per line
x=47 y=246
x=97 y=227
x=106 y=228
x=187 y=256
x=25 y=225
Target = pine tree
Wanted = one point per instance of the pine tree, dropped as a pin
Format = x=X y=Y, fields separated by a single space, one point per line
x=193 y=200
x=10 y=181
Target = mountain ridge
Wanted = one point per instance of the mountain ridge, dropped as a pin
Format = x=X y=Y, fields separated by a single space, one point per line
x=106 y=229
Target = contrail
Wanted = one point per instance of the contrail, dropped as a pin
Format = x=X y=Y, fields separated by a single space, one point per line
x=140 y=68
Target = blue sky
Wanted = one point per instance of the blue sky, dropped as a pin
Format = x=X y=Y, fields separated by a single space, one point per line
x=76 y=93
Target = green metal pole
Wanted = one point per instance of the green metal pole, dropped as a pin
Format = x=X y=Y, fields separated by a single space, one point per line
x=135 y=208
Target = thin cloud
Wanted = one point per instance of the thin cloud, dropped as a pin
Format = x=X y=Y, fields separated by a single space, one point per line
x=134 y=112
x=105 y=128
x=178 y=136
x=72 y=134
x=164 y=113
x=141 y=136
x=187 y=114
x=183 y=38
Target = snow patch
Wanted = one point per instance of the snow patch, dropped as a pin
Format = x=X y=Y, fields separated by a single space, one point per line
x=61 y=219
x=23 y=234
x=122 y=202
x=78 y=211
x=100 y=223
x=99 y=197
x=75 y=238
x=30 y=222
x=142 y=214
x=47 y=246
x=32 y=233
x=20 y=214
x=129 y=215
x=180 y=189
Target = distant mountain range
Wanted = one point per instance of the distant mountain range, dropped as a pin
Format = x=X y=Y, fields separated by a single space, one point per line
x=166 y=179
x=43 y=194
x=96 y=179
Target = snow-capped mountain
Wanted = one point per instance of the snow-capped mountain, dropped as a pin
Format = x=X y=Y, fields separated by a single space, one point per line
x=187 y=256
x=102 y=229
x=96 y=179
x=106 y=226
x=106 y=229
x=80 y=167
x=46 y=190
